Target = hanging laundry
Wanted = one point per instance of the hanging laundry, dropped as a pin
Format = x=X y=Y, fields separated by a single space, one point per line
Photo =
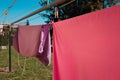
x=87 y=47
x=34 y=41
x=45 y=46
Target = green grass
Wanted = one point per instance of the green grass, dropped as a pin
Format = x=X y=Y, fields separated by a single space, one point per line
x=34 y=69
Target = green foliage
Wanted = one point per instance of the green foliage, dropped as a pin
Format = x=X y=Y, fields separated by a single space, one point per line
x=78 y=7
x=4 y=40
x=110 y=3
x=5 y=37
x=81 y=7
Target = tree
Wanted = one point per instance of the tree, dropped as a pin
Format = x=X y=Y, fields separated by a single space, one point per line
x=4 y=37
x=78 y=7
x=48 y=14
x=109 y=3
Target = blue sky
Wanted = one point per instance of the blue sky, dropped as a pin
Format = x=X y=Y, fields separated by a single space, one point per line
x=20 y=9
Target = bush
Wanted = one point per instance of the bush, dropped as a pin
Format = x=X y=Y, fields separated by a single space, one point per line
x=4 y=40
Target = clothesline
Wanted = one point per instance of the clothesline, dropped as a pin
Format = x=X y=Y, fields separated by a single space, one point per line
x=56 y=2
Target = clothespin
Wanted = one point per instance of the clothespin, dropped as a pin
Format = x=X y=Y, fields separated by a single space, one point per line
x=56 y=12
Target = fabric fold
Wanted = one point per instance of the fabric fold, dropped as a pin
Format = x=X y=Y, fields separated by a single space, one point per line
x=87 y=47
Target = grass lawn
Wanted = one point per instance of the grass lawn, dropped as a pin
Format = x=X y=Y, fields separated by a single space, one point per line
x=33 y=70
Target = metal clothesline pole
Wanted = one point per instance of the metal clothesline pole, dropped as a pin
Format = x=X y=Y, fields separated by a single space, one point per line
x=9 y=41
x=56 y=2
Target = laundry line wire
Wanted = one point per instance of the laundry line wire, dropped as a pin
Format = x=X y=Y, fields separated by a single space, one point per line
x=6 y=11
x=21 y=13
x=48 y=2
x=41 y=15
x=32 y=19
x=35 y=18
x=12 y=4
x=60 y=7
x=8 y=8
